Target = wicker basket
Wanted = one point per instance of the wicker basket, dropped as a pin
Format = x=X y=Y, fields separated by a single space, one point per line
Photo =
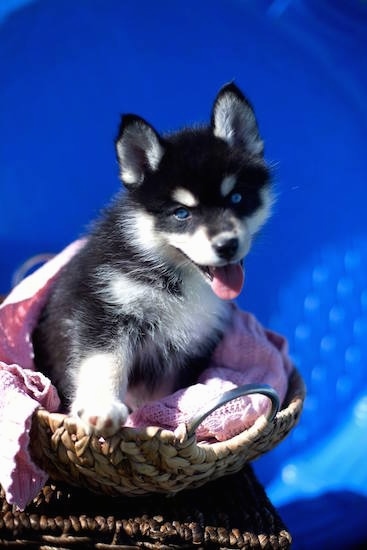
x=153 y=460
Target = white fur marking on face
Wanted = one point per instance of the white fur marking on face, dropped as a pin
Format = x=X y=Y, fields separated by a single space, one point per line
x=258 y=218
x=227 y=185
x=141 y=229
x=185 y=197
x=199 y=247
x=196 y=246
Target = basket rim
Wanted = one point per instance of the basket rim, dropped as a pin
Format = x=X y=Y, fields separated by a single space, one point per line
x=140 y=461
x=181 y=436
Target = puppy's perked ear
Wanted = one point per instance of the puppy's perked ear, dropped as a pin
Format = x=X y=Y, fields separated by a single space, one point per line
x=233 y=120
x=139 y=149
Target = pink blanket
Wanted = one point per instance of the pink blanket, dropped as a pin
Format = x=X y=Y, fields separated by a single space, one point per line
x=247 y=354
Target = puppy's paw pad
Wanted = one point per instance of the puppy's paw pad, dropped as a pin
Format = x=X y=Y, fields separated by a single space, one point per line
x=102 y=420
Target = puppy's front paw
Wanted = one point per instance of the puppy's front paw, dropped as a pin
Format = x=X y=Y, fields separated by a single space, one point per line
x=101 y=419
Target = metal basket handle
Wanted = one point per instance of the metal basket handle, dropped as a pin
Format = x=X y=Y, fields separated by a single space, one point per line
x=241 y=391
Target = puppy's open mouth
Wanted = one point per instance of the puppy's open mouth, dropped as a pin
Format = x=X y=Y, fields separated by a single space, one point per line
x=226 y=281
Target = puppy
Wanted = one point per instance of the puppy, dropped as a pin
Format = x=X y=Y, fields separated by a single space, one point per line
x=138 y=311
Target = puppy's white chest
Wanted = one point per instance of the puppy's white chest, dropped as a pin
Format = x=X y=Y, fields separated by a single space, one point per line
x=185 y=319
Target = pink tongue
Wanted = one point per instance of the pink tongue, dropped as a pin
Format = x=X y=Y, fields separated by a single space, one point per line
x=227 y=281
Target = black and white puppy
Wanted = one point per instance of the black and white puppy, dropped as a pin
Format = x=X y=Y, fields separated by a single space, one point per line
x=139 y=309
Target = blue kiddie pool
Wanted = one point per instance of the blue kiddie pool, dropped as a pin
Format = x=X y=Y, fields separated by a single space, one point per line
x=68 y=69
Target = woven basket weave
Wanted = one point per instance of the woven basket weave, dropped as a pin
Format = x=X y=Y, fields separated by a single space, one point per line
x=153 y=460
x=228 y=513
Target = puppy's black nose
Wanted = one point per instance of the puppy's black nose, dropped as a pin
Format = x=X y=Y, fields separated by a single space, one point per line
x=226 y=247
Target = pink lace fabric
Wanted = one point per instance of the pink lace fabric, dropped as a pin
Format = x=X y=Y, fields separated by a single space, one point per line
x=22 y=390
x=248 y=353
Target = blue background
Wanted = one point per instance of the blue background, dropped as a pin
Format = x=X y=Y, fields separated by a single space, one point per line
x=69 y=68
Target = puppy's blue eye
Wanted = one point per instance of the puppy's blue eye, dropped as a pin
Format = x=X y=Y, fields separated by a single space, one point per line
x=236 y=198
x=181 y=213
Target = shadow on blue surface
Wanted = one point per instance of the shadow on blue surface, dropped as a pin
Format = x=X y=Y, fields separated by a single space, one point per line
x=68 y=70
x=332 y=521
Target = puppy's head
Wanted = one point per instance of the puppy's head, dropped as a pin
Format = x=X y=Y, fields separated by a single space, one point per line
x=201 y=194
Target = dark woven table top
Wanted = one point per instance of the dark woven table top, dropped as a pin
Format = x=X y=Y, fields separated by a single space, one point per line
x=232 y=512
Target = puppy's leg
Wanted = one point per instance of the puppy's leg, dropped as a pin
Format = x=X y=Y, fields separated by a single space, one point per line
x=100 y=388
